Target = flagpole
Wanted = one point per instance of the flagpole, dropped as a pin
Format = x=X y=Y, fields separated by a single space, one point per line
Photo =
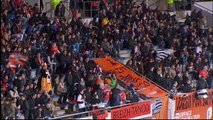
x=17 y=72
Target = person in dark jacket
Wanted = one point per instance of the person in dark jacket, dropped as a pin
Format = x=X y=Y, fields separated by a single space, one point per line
x=42 y=98
x=25 y=107
x=60 y=10
x=63 y=62
x=115 y=97
x=150 y=73
x=88 y=95
x=70 y=84
x=201 y=84
x=76 y=74
x=187 y=87
x=32 y=106
x=101 y=94
x=95 y=99
x=38 y=113
x=41 y=5
x=45 y=98
x=46 y=111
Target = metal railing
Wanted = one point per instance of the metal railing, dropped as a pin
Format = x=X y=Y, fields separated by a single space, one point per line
x=187 y=4
x=208 y=10
x=106 y=108
x=88 y=10
x=154 y=3
x=88 y=112
x=144 y=77
x=51 y=13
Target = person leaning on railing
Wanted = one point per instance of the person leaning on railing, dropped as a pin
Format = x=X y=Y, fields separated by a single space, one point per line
x=201 y=88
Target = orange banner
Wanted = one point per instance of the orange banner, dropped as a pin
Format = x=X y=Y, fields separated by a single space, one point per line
x=129 y=77
x=191 y=107
x=160 y=108
x=136 y=110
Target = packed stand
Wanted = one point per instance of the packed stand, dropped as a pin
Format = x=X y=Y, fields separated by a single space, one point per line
x=41 y=58
x=190 y=67
x=60 y=53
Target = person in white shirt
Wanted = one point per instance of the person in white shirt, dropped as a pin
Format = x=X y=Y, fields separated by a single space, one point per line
x=199 y=48
x=81 y=102
x=13 y=93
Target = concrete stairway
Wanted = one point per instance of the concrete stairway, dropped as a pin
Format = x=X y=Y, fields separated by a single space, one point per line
x=58 y=108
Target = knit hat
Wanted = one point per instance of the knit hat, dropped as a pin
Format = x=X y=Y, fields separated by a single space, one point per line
x=131 y=85
x=108 y=81
x=99 y=81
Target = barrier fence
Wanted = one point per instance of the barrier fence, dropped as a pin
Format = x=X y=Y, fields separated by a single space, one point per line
x=181 y=107
x=190 y=106
x=88 y=9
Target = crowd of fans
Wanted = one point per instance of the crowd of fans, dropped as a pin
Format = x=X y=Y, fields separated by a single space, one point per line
x=60 y=55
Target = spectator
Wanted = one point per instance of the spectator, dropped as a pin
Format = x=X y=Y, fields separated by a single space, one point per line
x=107 y=91
x=2 y=108
x=52 y=62
x=201 y=84
x=13 y=93
x=88 y=95
x=113 y=81
x=72 y=44
x=60 y=10
x=46 y=111
x=38 y=113
x=46 y=85
x=32 y=106
x=25 y=107
x=81 y=101
x=9 y=109
x=115 y=97
x=70 y=84
x=187 y=88
x=100 y=92
x=61 y=91
x=95 y=99
x=204 y=73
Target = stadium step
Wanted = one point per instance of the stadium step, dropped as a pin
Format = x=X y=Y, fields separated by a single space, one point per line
x=60 y=112
x=124 y=60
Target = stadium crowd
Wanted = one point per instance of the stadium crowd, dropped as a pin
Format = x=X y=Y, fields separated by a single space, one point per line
x=60 y=53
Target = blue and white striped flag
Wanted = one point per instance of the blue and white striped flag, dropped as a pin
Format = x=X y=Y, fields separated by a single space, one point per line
x=162 y=54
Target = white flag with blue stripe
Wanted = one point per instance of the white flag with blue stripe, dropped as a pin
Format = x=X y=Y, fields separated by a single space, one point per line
x=162 y=54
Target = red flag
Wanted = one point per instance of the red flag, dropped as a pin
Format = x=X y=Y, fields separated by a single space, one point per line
x=17 y=59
